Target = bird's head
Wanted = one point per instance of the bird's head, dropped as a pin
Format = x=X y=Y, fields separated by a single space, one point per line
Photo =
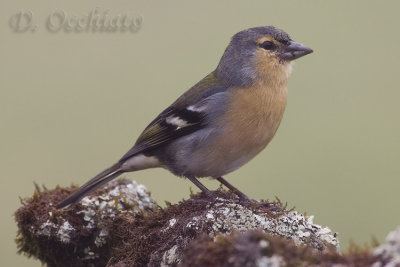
x=260 y=53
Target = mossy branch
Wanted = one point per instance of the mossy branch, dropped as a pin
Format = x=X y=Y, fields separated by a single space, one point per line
x=121 y=225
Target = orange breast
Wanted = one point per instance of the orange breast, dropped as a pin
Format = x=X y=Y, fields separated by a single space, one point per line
x=252 y=120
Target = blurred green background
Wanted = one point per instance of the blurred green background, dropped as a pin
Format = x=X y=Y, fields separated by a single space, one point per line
x=72 y=103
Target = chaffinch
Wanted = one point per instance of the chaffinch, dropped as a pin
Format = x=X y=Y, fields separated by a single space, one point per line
x=223 y=121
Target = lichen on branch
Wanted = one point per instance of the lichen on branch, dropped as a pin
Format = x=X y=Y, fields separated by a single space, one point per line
x=121 y=225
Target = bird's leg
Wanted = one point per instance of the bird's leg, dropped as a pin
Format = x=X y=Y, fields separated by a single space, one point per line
x=200 y=185
x=233 y=189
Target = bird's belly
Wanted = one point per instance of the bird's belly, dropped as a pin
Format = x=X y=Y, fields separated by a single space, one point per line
x=244 y=132
x=230 y=151
x=227 y=150
x=254 y=117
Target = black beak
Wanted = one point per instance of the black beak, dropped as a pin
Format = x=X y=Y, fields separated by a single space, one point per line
x=294 y=50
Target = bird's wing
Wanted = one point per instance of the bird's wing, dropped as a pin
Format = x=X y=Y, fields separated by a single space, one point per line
x=183 y=117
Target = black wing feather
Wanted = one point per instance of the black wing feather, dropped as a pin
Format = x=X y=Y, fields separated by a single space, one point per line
x=159 y=132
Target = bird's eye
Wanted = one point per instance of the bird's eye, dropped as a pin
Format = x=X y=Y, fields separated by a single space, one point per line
x=267 y=45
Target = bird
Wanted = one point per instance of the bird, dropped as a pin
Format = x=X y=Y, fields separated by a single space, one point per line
x=220 y=123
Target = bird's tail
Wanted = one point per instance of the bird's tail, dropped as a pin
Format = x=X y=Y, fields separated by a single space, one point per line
x=97 y=181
